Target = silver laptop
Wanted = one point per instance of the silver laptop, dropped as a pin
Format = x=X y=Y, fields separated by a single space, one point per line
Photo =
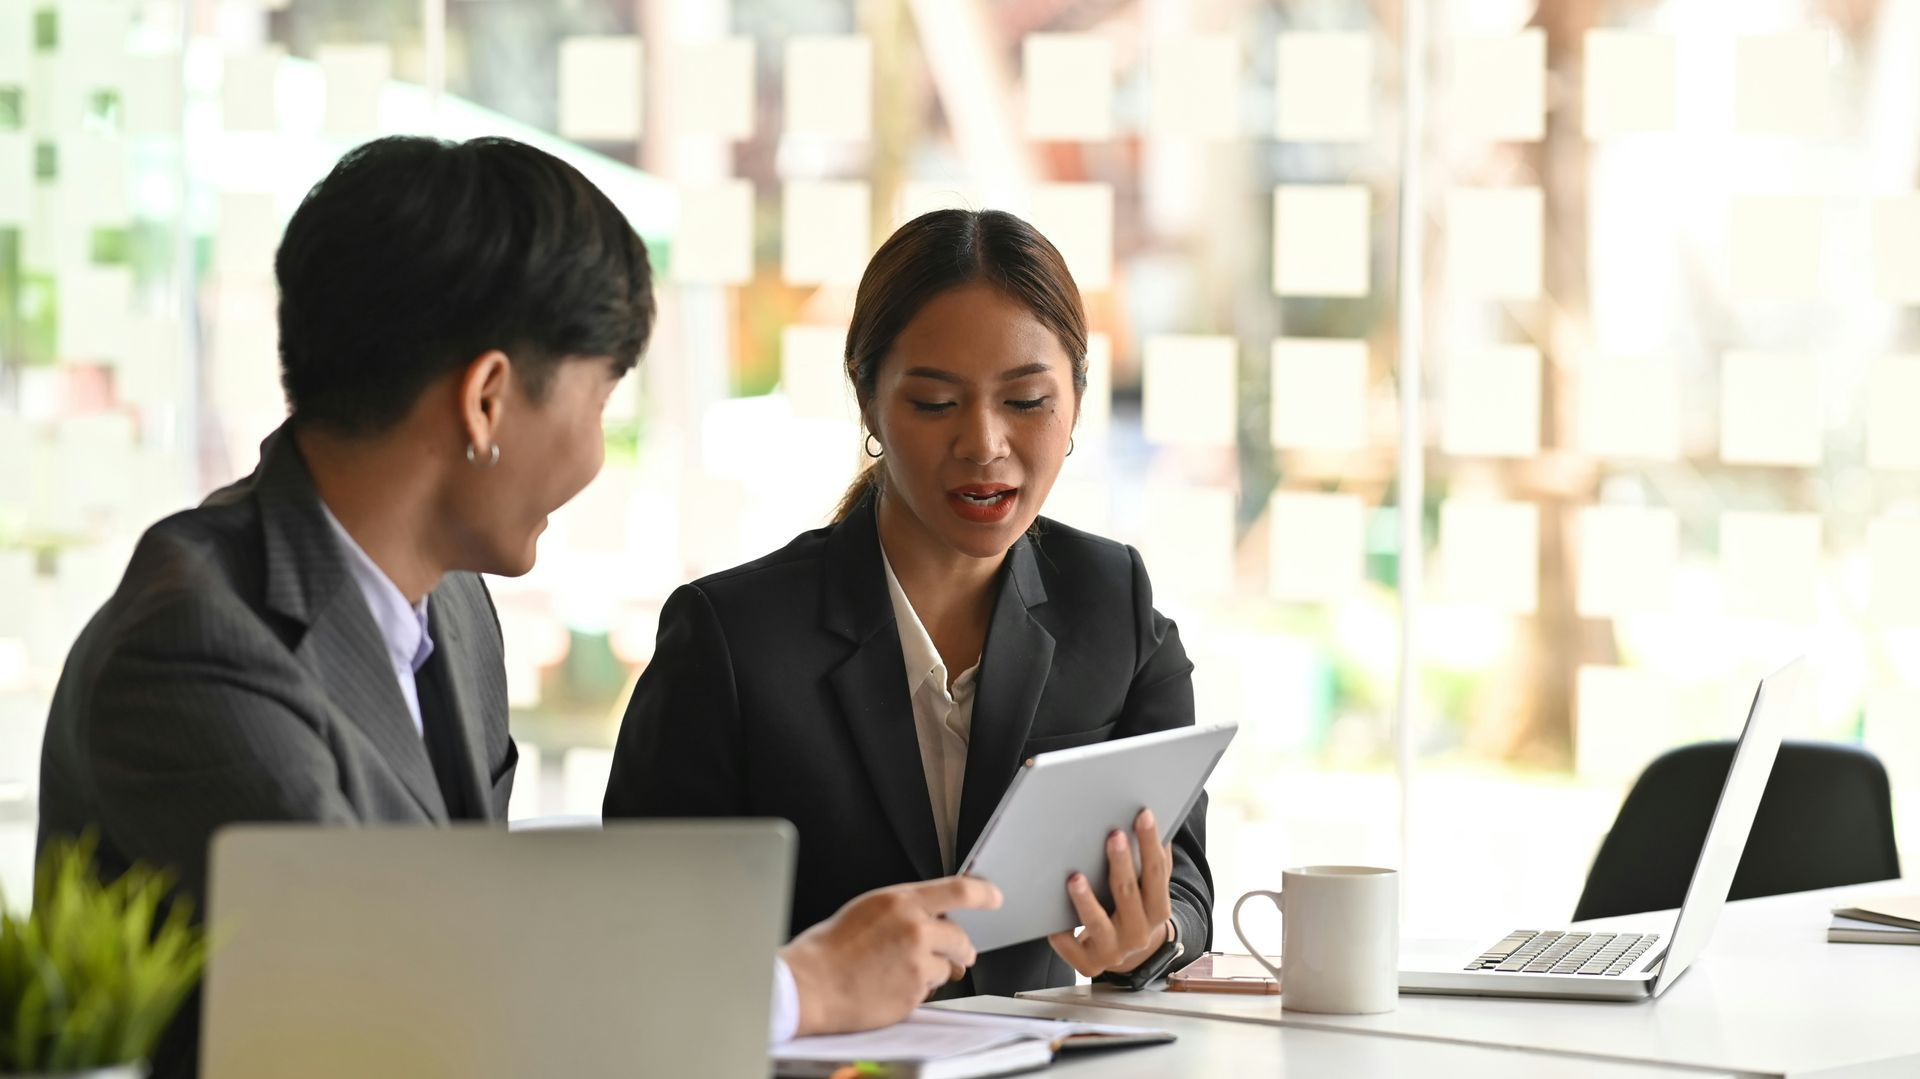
x=1632 y=964
x=640 y=949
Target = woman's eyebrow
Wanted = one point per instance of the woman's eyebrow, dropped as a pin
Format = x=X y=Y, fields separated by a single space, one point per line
x=938 y=375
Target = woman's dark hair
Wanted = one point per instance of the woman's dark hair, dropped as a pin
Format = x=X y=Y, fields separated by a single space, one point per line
x=944 y=250
x=415 y=255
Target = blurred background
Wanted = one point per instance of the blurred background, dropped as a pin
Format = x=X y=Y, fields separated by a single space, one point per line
x=1661 y=396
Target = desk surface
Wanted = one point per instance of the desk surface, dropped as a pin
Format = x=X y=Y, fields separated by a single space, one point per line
x=1770 y=996
x=1211 y=1047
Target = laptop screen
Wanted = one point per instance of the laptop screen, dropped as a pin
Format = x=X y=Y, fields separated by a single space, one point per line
x=1781 y=696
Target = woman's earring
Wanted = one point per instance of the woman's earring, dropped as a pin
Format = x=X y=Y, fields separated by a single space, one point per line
x=870 y=451
x=493 y=456
x=1069 y=447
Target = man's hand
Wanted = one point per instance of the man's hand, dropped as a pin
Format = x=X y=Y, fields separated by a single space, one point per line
x=879 y=956
x=1142 y=906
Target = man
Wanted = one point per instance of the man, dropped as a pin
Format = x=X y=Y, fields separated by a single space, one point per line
x=314 y=642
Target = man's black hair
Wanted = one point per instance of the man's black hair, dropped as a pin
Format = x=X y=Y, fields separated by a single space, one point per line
x=416 y=255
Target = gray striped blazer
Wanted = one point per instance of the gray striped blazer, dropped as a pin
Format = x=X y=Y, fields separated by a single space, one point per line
x=237 y=675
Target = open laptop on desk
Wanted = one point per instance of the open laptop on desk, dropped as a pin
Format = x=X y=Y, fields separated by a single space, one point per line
x=640 y=949
x=1565 y=964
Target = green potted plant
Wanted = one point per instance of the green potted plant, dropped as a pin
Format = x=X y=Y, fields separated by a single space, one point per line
x=91 y=976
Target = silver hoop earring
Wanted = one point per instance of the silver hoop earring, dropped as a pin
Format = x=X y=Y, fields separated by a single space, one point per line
x=872 y=452
x=493 y=456
x=1069 y=447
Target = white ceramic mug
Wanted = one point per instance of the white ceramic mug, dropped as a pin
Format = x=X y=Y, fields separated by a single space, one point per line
x=1340 y=939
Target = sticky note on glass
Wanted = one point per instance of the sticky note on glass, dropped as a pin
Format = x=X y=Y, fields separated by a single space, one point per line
x=1622 y=719
x=919 y=197
x=16 y=177
x=94 y=458
x=1498 y=86
x=1783 y=84
x=602 y=83
x=1490 y=554
x=1494 y=242
x=1078 y=220
x=1895 y=586
x=93 y=180
x=249 y=91
x=1770 y=565
x=1190 y=390
x=826 y=232
x=712 y=84
x=95 y=305
x=1893 y=400
x=1892 y=727
x=829 y=86
x=1323 y=87
x=1630 y=80
x=713 y=243
x=1628 y=407
x=1188 y=547
x=1627 y=555
x=16 y=40
x=1096 y=403
x=813 y=372
x=151 y=93
x=1322 y=245
x=1319 y=394
x=355 y=76
x=1491 y=402
x=155 y=374
x=1773 y=247
x=17 y=571
x=1896 y=248
x=1068 y=86
x=1082 y=503
x=1770 y=409
x=1316 y=546
x=1194 y=87
x=247 y=236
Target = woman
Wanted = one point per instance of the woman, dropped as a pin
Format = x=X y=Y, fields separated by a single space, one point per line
x=879 y=681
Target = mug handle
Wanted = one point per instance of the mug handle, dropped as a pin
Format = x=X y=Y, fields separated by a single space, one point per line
x=1241 y=933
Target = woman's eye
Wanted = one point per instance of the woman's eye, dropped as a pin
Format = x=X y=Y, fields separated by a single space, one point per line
x=932 y=406
x=1030 y=405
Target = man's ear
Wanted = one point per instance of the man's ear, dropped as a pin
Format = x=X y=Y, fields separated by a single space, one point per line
x=483 y=398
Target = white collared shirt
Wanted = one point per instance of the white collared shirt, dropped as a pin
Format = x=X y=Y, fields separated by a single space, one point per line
x=402 y=625
x=942 y=717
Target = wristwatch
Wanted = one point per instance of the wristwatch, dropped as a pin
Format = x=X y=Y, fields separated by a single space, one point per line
x=1153 y=967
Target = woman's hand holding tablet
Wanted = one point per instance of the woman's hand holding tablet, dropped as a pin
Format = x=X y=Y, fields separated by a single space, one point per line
x=1142 y=918
x=1053 y=825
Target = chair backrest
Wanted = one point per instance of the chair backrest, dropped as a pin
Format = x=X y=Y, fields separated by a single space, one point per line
x=1825 y=820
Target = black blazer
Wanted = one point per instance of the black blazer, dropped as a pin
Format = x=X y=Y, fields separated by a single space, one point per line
x=779 y=689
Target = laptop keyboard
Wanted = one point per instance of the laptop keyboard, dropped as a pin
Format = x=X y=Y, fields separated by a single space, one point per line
x=1533 y=952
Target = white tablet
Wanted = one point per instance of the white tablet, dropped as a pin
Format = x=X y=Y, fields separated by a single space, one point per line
x=1055 y=817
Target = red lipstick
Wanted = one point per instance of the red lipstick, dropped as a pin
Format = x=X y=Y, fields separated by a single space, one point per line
x=983 y=503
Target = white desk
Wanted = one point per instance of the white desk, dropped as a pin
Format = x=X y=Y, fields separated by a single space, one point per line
x=1770 y=996
x=1210 y=1047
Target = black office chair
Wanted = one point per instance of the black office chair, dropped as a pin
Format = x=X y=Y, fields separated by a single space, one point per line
x=1826 y=819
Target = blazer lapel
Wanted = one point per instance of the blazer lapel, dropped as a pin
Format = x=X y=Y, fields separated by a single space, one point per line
x=872 y=686
x=308 y=581
x=455 y=654
x=1013 y=673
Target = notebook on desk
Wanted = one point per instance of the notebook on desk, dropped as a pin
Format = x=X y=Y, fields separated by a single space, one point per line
x=1845 y=930
x=937 y=1044
x=1895 y=911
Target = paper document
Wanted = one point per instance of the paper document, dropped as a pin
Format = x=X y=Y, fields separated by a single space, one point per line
x=935 y=1042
